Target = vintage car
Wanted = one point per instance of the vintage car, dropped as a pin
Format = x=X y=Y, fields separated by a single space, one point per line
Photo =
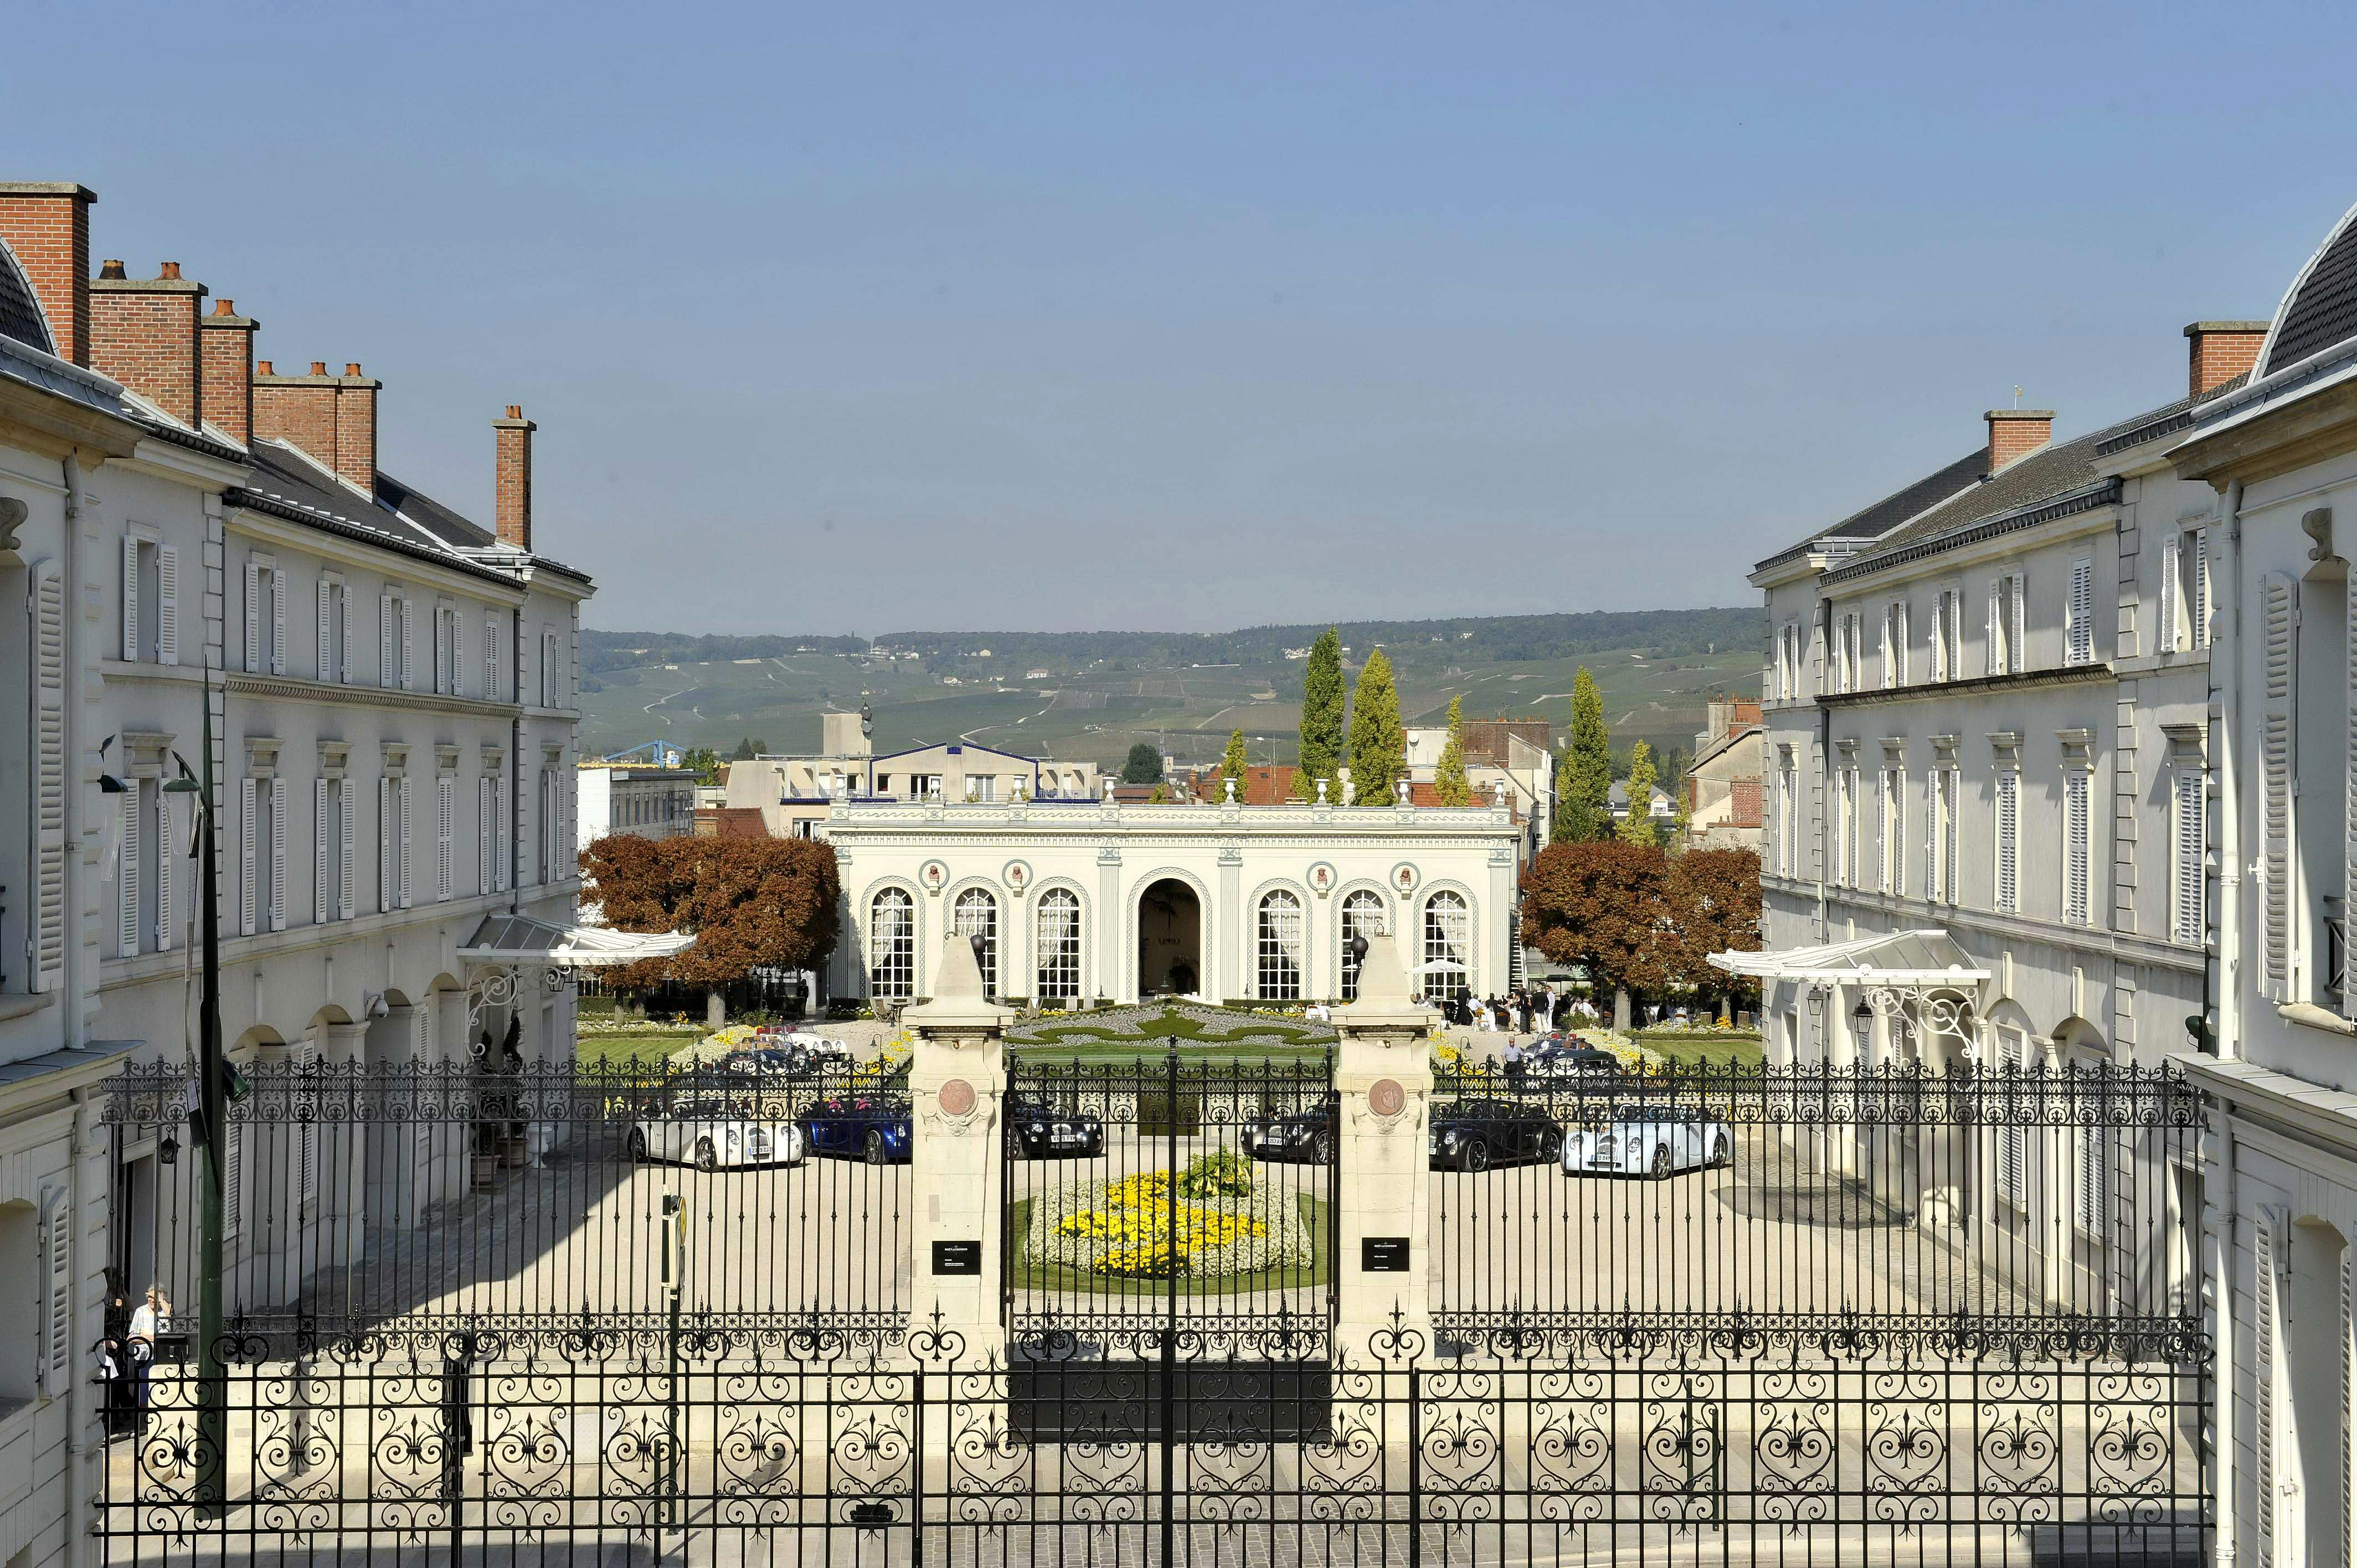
x=1036 y=1129
x=1307 y=1137
x=1575 y=1061
x=713 y=1132
x=872 y=1127
x=1651 y=1141
x=1472 y=1134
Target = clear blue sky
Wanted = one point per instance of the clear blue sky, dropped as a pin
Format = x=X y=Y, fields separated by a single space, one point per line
x=863 y=318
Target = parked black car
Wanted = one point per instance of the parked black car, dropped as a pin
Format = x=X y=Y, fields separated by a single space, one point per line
x=1474 y=1134
x=1036 y=1129
x=1573 y=1061
x=1307 y=1137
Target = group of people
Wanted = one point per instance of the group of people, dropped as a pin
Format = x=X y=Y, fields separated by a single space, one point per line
x=126 y=1356
x=1533 y=1010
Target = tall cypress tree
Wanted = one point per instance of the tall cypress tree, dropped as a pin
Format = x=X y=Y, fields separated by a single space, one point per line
x=1638 y=826
x=1448 y=778
x=1586 y=804
x=1233 y=764
x=1321 y=710
x=1378 y=740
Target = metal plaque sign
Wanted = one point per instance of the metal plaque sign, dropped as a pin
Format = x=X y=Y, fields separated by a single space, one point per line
x=965 y=1257
x=1382 y=1254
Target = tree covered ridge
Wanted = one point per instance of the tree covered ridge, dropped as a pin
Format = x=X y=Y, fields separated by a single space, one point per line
x=1410 y=643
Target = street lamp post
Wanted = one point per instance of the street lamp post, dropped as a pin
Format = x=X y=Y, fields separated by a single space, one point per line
x=212 y=1402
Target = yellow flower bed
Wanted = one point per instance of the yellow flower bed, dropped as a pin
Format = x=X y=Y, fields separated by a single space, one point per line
x=1122 y=1229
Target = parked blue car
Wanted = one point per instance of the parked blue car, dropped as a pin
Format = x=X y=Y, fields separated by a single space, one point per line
x=873 y=1128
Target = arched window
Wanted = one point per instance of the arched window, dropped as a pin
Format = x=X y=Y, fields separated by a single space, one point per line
x=892 y=946
x=1447 y=939
x=1363 y=912
x=1280 y=947
x=977 y=915
x=1059 y=946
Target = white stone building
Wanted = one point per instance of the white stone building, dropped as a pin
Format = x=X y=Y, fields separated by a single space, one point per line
x=390 y=691
x=796 y=795
x=651 y=802
x=2277 y=460
x=1079 y=902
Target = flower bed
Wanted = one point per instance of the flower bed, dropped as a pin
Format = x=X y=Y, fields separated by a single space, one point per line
x=1120 y=1229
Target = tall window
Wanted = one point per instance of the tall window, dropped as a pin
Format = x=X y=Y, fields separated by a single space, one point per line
x=977 y=915
x=151 y=601
x=2008 y=647
x=1788 y=796
x=2078 y=907
x=1362 y=915
x=448 y=650
x=2008 y=840
x=394 y=638
x=2012 y=1138
x=892 y=946
x=2079 y=611
x=1951 y=812
x=1059 y=946
x=1894 y=829
x=1280 y=947
x=2189 y=915
x=2091 y=1198
x=331 y=636
x=2185 y=591
x=265 y=617
x=1852 y=872
x=1446 y=928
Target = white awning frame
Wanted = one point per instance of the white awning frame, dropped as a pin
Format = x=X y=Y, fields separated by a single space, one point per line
x=511 y=941
x=1923 y=958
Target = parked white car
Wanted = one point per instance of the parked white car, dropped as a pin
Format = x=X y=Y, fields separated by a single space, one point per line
x=1651 y=1141
x=824 y=1049
x=711 y=1134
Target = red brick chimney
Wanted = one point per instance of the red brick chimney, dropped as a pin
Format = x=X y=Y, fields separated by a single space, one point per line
x=2219 y=351
x=513 y=480
x=142 y=332
x=225 y=356
x=2014 y=433
x=48 y=226
x=332 y=418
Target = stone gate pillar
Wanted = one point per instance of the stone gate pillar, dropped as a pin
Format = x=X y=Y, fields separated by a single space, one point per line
x=957 y=1079
x=1382 y=1082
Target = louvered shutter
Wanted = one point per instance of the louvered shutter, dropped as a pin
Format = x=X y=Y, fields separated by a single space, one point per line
x=2263 y=1381
x=130 y=598
x=55 y=1364
x=2093 y=1196
x=248 y=799
x=254 y=617
x=164 y=839
x=2347 y=1394
x=401 y=846
x=408 y=649
x=344 y=638
x=2192 y=848
x=1995 y=660
x=502 y=855
x=1857 y=832
x=1951 y=813
x=2280 y=602
x=126 y=878
x=445 y=828
x=2200 y=588
x=2008 y=840
x=277 y=621
x=323 y=882
x=490 y=658
x=387 y=673
x=323 y=652
x=278 y=854
x=1939 y=635
x=483 y=835
x=2168 y=591
x=307 y=1142
x=2077 y=851
x=168 y=605
x=346 y=868
x=233 y=1180
x=387 y=894
x=1931 y=836
x=458 y=654
x=49 y=952
x=1903 y=633
x=2016 y=634
x=2082 y=611
x=2012 y=1137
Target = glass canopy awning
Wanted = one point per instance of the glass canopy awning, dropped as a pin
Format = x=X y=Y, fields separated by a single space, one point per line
x=512 y=939
x=1923 y=958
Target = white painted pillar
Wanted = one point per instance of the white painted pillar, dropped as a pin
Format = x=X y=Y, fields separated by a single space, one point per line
x=1108 y=968
x=1383 y=1078
x=342 y=1156
x=957 y=1078
x=1235 y=928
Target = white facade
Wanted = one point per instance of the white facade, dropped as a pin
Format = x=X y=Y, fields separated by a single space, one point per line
x=651 y=802
x=1087 y=902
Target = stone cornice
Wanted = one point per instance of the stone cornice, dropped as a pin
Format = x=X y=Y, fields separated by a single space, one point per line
x=294 y=688
x=1943 y=691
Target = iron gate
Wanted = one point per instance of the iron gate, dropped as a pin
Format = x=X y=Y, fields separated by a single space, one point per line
x=1843 y=1315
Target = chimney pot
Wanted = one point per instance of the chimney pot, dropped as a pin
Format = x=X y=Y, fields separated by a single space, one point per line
x=318 y=367
x=515 y=410
x=262 y=368
x=352 y=367
x=2218 y=351
x=110 y=269
x=224 y=308
x=2014 y=433
x=168 y=270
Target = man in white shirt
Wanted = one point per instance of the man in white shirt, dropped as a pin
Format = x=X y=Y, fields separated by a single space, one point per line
x=149 y=1319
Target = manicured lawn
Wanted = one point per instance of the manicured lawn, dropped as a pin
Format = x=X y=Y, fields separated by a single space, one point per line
x=1130 y=1048
x=1026 y=1273
x=641 y=1048
x=1716 y=1051
x=1245 y=1028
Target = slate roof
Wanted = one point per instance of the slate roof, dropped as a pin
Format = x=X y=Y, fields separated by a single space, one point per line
x=2321 y=310
x=2050 y=471
x=20 y=310
x=287 y=483
x=1871 y=522
x=430 y=514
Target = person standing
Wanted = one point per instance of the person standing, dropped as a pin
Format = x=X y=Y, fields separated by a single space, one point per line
x=152 y=1319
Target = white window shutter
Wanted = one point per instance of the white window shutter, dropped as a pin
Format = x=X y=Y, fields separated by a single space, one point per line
x=408 y=649
x=55 y=1366
x=232 y=1138
x=48 y=953
x=344 y=640
x=1931 y=835
x=324 y=654
x=445 y=828
x=2280 y=618
x=306 y=1141
x=164 y=839
x=248 y=801
x=127 y=876
x=2008 y=840
x=1996 y=660
x=387 y=894
x=502 y=855
x=323 y=883
x=278 y=854
x=2078 y=852
x=388 y=673
x=277 y=621
x=130 y=598
x=2168 y=553
x=2083 y=612
x=483 y=835
x=346 y=868
x=2012 y=1140
x=2200 y=596
x=2192 y=917
x=458 y=654
x=2016 y=634
x=168 y=605
x=400 y=850
x=2263 y=1381
x=253 y=617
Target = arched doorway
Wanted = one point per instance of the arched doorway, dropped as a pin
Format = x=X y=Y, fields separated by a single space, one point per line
x=1170 y=939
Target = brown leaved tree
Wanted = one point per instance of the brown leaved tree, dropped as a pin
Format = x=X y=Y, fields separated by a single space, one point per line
x=1605 y=906
x=751 y=903
x=1714 y=901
